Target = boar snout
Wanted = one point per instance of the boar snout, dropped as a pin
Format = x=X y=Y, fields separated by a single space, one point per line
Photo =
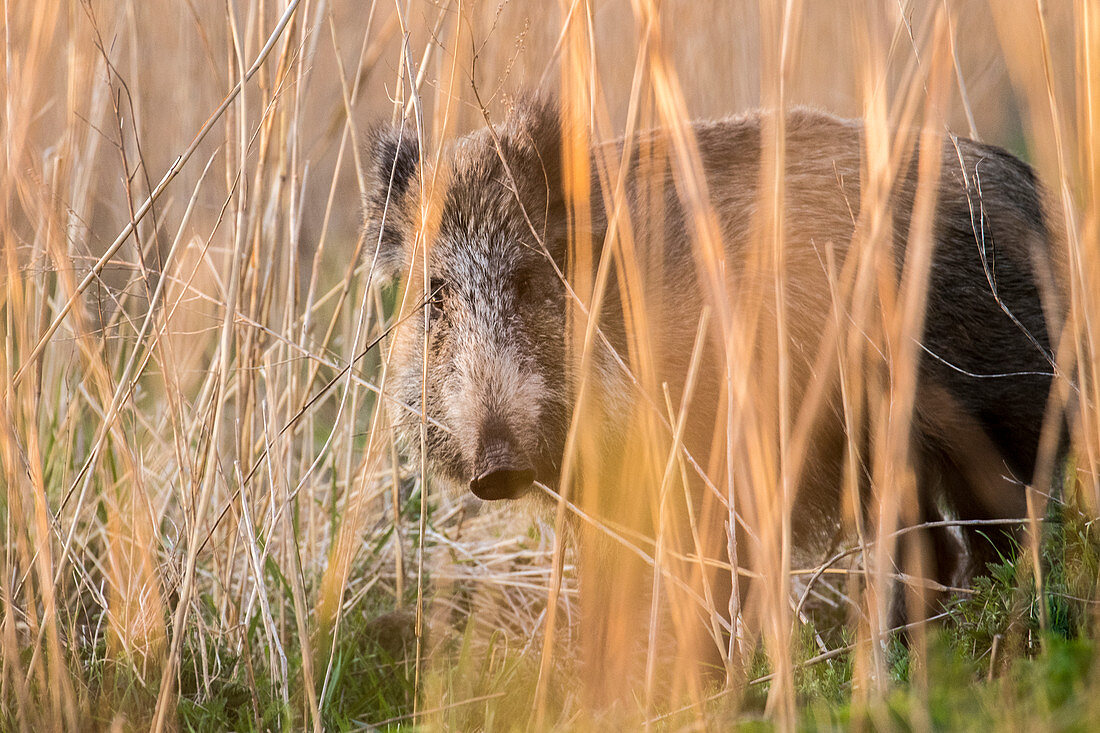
x=502 y=483
x=501 y=471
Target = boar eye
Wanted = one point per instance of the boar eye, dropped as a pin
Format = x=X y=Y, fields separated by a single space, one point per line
x=523 y=286
x=436 y=289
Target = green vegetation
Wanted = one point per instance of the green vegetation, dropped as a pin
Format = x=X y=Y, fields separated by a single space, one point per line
x=989 y=665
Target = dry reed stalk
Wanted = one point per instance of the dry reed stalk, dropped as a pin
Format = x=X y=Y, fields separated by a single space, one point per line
x=1085 y=260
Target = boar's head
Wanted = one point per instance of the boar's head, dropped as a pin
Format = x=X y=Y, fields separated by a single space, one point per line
x=479 y=344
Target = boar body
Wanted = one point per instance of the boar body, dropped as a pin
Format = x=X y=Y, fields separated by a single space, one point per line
x=501 y=376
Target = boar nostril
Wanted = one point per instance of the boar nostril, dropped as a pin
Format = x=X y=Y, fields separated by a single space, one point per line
x=501 y=470
x=502 y=483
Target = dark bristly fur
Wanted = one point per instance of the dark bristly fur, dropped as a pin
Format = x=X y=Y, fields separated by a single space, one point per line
x=499 y=377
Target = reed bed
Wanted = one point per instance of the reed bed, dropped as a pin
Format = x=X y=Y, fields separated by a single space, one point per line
x=206 y=521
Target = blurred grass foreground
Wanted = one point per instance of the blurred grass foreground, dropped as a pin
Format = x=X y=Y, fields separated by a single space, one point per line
x=206 y=523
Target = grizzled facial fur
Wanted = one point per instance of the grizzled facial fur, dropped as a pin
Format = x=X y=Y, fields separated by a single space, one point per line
x=490 y=309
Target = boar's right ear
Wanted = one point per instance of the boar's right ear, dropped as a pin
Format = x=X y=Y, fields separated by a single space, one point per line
x=394 y=162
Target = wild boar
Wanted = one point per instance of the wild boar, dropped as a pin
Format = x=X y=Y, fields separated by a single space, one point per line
x=492 y=359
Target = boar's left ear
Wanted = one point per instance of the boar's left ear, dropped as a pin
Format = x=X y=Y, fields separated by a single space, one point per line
x=532 y=141
x=534 y=138
x=393 y=172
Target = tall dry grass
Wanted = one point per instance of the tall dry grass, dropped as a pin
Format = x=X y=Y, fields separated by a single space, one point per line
x=198 y=482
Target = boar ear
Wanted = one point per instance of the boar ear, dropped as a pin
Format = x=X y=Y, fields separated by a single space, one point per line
x=533 y=142
x=535 y=131
x=393 y=172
